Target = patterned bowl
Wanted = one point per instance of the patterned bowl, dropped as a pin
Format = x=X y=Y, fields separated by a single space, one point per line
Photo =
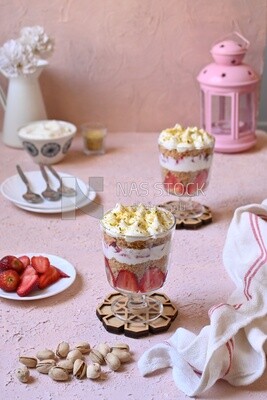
x=47 y=141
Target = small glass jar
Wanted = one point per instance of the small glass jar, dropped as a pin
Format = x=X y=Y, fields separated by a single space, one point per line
x=94 y=135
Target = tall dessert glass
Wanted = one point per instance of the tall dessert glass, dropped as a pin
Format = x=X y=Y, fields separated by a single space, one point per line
x=185 y=156
x=136 y=244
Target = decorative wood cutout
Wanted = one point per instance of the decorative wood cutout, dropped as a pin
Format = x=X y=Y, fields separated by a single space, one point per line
x=188 y=223
x=136 y=327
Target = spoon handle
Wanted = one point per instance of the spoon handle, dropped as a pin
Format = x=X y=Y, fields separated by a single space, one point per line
x=54 y=172
x=45 y=176
x=22 y=175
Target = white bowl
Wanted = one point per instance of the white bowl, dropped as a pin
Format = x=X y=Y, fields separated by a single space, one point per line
x=47 y=141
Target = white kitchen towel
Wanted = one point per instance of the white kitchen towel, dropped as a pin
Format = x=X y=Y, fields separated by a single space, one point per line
x=232 y=347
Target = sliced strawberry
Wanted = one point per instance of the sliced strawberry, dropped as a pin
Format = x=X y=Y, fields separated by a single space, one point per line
x=50 y=276
x=28 y=283
x=126 y=280
x=191 y=188
x=199 y=183
x=9 y=280
x=29 y=270
x=109 y=273
x=201 y=179
x=61 y=273
x=172 y=184
x=25 y=260
x=11 y=262
x=152 y=279
x=40 y=264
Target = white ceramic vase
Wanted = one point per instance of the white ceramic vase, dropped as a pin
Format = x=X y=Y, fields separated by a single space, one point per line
x=22 y=104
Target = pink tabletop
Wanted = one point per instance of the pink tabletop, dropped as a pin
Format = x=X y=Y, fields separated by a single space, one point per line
x=196 y=281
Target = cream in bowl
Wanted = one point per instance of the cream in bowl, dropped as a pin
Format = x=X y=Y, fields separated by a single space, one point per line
x=47 y=141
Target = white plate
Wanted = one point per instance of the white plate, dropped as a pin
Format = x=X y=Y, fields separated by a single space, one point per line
x=13 y=188
x=55 y=288
x=87 y=200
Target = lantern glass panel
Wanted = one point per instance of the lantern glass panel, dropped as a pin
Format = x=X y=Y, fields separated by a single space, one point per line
x=203 y=108
x=221 y=114
x=245 y=113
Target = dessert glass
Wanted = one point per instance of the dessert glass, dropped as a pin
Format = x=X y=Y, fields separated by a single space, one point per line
x=137 y=266
x=185 y=168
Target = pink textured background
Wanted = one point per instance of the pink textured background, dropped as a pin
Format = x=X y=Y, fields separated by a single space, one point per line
x=130 y=63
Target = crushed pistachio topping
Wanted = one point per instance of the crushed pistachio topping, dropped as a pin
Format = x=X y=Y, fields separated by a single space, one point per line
x=137 y=220
x=183 y=139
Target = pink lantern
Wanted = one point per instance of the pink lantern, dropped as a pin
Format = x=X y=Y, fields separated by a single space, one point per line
x=229 y=96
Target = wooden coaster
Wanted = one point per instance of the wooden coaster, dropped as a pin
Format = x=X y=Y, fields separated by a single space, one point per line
x=188 y=223
x=136 y=327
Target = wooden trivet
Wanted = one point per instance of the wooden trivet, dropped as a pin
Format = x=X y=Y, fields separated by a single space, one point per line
x=135 y=328
x=188 y=223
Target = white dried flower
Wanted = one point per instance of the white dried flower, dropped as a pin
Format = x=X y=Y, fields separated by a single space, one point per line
x=23 y=55
x=16 y=59
x=35 y=37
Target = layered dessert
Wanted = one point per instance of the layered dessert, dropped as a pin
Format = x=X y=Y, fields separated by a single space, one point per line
x=185 y=159
x=136 y=246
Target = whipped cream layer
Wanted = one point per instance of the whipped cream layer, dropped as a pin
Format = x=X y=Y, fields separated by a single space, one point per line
x=136 y=256
x=46 y=130
x=186 y=164
x=137 y=221
x=183 y=139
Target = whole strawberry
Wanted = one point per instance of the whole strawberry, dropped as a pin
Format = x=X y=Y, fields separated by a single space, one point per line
x=11 y=262
x=9 y=280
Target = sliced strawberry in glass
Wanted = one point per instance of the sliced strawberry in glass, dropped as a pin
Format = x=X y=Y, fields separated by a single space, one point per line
x=126 y=280
x=201 y=179
x=109 y=273
x=199 y=183
x=152 y=279
x=172 y=184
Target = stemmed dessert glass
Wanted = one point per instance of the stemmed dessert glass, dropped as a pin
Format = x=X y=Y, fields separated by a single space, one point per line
x=185 y=174
x=136 y=267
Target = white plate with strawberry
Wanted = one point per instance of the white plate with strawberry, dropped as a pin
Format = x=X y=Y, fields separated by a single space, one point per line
x=34 y=276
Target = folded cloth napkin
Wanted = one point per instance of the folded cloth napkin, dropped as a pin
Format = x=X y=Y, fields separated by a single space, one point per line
x=232 y=347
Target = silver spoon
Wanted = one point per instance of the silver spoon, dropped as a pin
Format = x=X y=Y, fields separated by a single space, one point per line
x=49 y=193
x=29 y=196
x=63 y=189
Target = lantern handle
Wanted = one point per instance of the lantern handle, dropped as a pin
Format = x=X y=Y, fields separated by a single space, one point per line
x=239 y=35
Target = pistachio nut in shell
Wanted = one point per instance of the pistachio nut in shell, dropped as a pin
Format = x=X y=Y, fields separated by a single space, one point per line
x=58 y=374
x=113 y=361
x=84 y=347
x=43 y=366
x=93 y=371
x=45 y=354
x=66 y=364
x=74 y=355
x=123 y=355
x=121 y=346
x=23 y=374
x=63 y=349
x=79 y=369
x=96 y=356
x=104 y=349
x=30 y=362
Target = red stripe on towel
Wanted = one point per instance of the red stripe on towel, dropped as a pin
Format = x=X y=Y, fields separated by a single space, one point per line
x=213 y=308
x=229 y=346
x=237 y=306
x=231 y=341
x=260 y=260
